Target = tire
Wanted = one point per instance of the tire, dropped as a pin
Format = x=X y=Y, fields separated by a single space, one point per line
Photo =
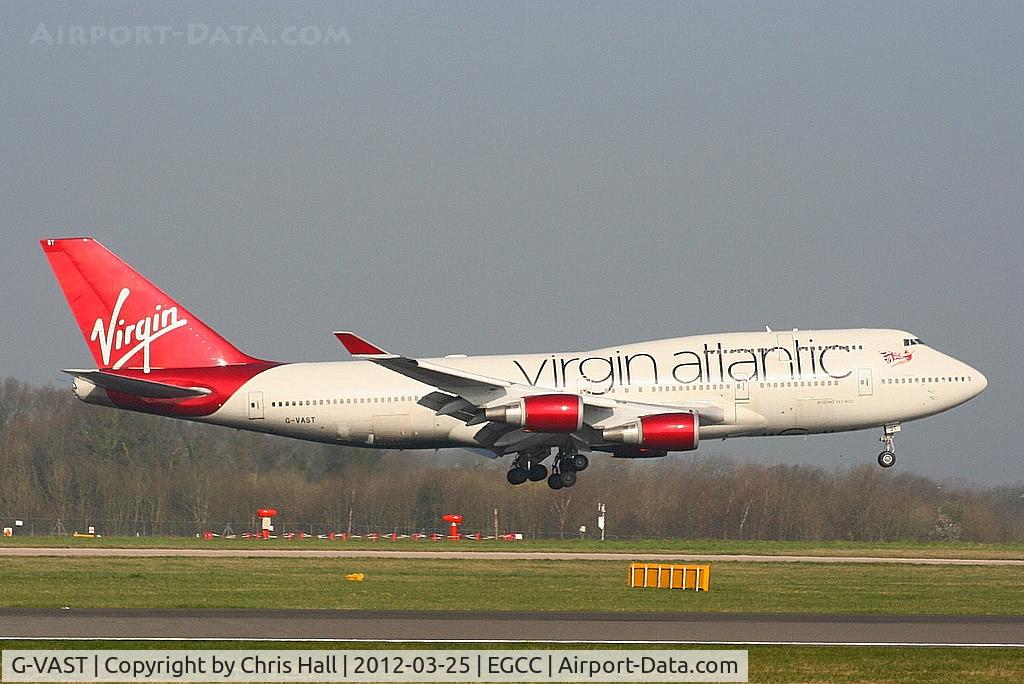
x=569 y=478
x=555 y=481
x=538 y=472
x=580 y=462
x=887 y=459
x=517 y=476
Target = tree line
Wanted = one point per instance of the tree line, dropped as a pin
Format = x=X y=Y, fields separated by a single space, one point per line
x=127 y=474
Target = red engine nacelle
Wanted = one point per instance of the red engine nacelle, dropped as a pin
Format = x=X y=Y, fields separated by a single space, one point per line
x=541 y=413
x=662 y=431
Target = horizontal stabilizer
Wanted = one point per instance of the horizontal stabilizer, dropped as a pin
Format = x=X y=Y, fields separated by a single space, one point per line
x=136 y=387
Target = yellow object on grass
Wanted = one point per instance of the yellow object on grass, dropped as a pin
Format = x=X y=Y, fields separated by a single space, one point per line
x=696 y=577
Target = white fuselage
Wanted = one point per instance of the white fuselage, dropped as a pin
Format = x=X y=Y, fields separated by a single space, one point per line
x=768 y=383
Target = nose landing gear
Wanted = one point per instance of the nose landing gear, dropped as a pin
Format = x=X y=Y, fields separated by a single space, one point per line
x=887 y=459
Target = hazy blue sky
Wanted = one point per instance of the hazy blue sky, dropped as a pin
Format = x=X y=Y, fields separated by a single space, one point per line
x=495 y=177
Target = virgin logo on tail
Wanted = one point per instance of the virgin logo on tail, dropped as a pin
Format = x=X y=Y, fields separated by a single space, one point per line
x=114 y=335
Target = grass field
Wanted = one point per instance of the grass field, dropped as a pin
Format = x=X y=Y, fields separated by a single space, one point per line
x=436 y=584
x=485 y=584
x=765 y=663
x=881 y=549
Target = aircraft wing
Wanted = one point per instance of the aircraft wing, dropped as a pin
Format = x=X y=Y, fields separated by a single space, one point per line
x=477 y=389
x=464 y=395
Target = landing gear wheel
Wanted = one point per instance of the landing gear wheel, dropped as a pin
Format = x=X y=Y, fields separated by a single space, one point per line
x=580 y=462
x=555 y=481
x=887 y=458
x=517 y=476
x=537 y=472
x=569 y=478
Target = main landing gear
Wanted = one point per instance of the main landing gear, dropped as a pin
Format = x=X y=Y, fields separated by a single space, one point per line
x=887 y=459
x=528 y=466
x=568 y=462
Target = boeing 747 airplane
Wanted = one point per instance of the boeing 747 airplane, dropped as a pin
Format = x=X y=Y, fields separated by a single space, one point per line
x=636 y=400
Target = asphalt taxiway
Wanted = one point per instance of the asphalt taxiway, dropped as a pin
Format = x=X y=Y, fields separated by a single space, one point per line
x=499 y=627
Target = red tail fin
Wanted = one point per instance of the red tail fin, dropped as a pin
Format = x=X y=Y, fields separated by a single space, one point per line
x=127 y=321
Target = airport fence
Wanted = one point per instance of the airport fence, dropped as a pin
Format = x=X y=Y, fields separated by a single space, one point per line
x=37 y=527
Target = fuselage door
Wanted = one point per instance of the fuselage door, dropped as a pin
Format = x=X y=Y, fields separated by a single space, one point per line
x=255 y=405
x=584 y=385
x=864 y=386
x=784 y=347
x=742 y=391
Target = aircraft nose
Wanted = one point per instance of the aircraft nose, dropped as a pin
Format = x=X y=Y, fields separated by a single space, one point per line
x=980 y=381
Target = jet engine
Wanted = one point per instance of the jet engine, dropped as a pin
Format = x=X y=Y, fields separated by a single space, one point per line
x=659 y=432
x=541 y=413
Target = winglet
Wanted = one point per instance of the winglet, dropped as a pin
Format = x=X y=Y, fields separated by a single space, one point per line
x=359 y=347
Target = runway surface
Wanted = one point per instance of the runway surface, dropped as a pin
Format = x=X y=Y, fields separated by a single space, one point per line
x=497 y=627
x=488 y=555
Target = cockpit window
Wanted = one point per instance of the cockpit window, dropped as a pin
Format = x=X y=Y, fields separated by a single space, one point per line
x=910 y=341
